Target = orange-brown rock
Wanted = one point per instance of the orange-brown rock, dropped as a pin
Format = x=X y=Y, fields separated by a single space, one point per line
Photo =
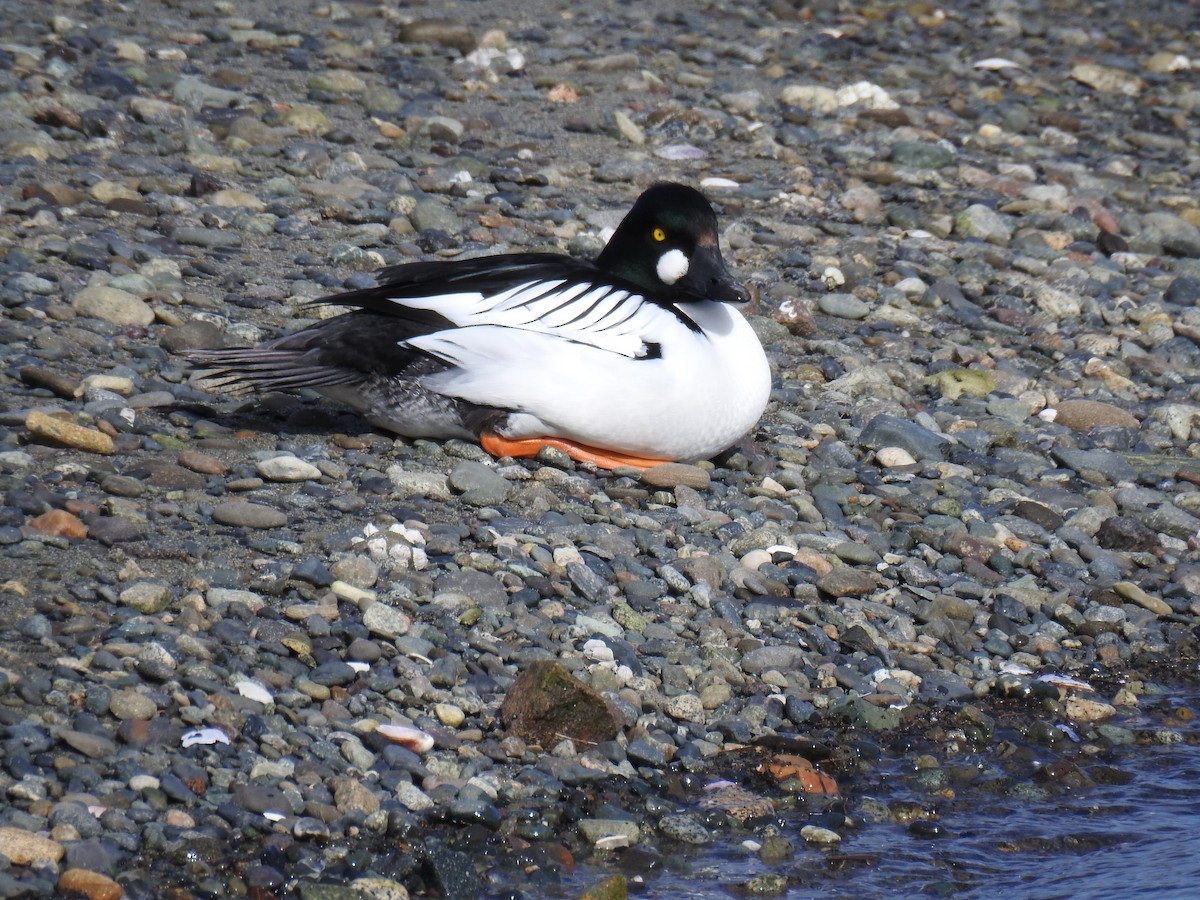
x=93 y=885
x=59 y=523
x=789 y=767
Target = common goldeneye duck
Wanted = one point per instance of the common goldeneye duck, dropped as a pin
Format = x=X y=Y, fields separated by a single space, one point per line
x=635 y=359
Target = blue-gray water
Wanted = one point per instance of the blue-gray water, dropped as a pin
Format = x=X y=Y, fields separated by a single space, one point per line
x=1137 y=839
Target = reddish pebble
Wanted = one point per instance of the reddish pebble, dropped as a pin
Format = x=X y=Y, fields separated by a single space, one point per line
x=59 y=523
x=201 y=462
x=80 y=507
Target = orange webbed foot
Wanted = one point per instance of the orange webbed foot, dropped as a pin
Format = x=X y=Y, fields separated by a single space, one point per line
x=528 y=447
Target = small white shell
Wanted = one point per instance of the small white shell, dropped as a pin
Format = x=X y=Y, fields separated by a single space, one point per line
x=996 y=63
x=612 y=842
x=204 y=736
x=414 y=739
x=252 y=690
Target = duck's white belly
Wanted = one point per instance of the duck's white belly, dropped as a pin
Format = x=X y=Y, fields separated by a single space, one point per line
x=703 y=393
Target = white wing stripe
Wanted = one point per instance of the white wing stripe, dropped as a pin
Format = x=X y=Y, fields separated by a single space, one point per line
x=602 y=315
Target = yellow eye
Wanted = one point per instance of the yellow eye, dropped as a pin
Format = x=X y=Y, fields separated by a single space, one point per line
x=659 y=235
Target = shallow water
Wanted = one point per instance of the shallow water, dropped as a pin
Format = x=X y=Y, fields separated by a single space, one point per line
x=1134 y=839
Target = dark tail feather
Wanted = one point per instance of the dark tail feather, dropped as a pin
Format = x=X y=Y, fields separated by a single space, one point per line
x=262 y=369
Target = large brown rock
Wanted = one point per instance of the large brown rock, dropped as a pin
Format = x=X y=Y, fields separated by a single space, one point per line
x=546 y=705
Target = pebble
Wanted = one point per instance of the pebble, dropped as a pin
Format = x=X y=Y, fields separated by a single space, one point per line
x=147 y=596
x=984 y=223
x=59 y=523
x=287 y=469
x=69 y=434
x=815 y=834
x=1082 y=415
x=847 y=582
x=132 y=704
x=93 y=885
x=478 y=484
x=843 y=306
x=684 y=827
x=891 y=457
x=595 y=830
x=113 y=305
x=1135 y=594
x=23 y=848
x=248 y=515
x=672 y=475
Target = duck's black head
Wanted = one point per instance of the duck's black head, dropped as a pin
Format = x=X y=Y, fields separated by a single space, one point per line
x=667 y=245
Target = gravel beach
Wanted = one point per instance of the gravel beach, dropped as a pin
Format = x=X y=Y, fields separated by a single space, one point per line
x=252 y=647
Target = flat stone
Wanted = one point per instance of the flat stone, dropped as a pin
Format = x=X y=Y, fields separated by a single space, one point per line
x=248 y=515
x=1111 y=465
x=110 y=530
x=921 y=154
x=891 y=457
x=1135 y=594
x=847 y=582
x=24 y=847
x=671 y=475
x=686 y=707
x=201 y=463
x=95 y=746
x=1107 y=79
x=351 y=795
x=211 y=238
x=777 y=657
x=68 y=433
x=89 y=884
x=443 y=32
x=453 y=871
x=287 y=469
x=112 y=305
x=307 y=119
x=983 y=222
x=843 y=306
x=685 y=827
x=595 y=829
x=479 y=484
x=131 y=704
x=147 y=596
x=419 y=484
x=386 y=621
x=1082 y=415
x=191 y=91
x=889 y=431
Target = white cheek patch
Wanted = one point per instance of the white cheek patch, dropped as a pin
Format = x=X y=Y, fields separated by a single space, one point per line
x=672 y=266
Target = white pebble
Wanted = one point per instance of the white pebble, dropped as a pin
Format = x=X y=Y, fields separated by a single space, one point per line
x=890 y=457
x=287 y=468
x=814 y=834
